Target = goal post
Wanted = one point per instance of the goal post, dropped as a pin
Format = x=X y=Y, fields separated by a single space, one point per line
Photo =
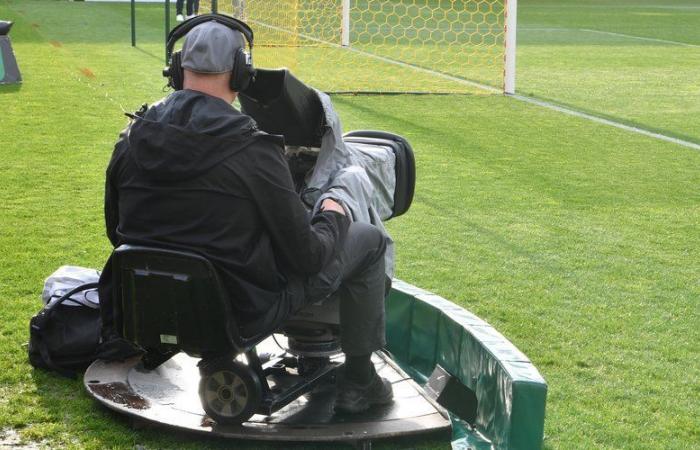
x=385 y=46
x=511 y=30
x=345 y=29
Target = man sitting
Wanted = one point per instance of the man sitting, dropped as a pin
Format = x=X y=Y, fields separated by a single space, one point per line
x=193 y=173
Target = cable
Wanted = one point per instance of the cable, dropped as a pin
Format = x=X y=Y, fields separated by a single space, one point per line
x=284 y=349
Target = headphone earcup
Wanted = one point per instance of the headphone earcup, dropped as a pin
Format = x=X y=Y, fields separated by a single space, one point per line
x=242 y=72
x=176 y=79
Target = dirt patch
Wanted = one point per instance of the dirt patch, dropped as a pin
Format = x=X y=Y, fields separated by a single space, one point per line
x=87 y=72
x=121 y=394
x=10 y=440
x=35 y=25
x=56 y=44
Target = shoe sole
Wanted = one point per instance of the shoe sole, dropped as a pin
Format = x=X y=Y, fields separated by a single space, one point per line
x=362 y=406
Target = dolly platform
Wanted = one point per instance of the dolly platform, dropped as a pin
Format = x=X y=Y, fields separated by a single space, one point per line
x=168 y=396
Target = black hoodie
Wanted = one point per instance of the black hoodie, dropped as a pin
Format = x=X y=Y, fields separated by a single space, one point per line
x=193 y=173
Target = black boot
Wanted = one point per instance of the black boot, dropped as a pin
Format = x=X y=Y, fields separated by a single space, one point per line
x=360 y=387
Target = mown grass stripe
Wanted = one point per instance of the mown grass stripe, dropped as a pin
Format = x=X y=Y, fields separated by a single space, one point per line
x=612 y=123
x=640 y=38
x=494 y=90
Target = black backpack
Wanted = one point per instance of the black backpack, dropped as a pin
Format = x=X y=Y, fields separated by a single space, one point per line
x=64 y=338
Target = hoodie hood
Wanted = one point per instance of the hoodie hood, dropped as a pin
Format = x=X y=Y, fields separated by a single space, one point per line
x=186 y=134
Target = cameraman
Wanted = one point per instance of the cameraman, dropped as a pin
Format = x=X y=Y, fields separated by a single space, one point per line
x=193 y=173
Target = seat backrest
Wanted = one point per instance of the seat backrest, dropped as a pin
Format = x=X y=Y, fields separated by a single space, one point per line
x=173 y=300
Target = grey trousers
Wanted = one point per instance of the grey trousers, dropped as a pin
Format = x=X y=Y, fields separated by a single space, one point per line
x=357 y=276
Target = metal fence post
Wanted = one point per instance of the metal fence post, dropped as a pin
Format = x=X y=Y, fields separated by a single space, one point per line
x=167 y=28
x=133 y=23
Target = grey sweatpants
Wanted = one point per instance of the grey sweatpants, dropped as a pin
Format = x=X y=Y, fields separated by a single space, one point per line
x=357 y=276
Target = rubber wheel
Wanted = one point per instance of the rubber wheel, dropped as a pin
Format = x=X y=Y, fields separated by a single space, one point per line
x=230 y=391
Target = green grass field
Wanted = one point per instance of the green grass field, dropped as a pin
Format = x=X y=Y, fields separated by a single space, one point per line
x=578 y=241
x=633 y=60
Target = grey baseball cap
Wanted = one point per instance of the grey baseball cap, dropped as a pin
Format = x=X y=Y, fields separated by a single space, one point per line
x=210 y=48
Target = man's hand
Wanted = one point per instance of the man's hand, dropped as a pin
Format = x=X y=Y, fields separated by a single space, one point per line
x=331 y=205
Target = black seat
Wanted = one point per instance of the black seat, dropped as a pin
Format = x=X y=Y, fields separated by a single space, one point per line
x=173 y=301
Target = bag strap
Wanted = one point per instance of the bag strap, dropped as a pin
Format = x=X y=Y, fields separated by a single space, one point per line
x=46 y=356
x=83 y=287
x=38 y=323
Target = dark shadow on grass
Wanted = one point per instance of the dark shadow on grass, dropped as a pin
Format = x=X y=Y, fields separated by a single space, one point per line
x=146 y=52
x=10 y=88
x=497 y=238
x=369 y=112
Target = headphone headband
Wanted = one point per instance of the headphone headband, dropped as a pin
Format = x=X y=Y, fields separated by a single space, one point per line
x=243 y=72
x=185 y=27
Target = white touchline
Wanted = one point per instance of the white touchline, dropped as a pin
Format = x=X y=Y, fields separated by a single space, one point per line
x=522 y=98
x=640 y=38
x=612 y=123
x=608 y=6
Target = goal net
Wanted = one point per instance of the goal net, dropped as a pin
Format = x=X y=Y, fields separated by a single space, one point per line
x=383 y=46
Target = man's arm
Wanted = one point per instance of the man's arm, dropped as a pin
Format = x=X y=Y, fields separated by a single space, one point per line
x=112 y=194
x=304 y=243
x=331 y=205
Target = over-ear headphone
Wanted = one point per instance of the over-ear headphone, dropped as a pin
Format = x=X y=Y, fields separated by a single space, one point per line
x=241 y=74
